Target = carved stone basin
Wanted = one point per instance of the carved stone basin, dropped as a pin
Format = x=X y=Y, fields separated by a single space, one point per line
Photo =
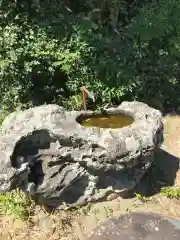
x=78 y=157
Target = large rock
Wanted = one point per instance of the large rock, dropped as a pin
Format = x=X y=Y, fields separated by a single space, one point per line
x=136 y=226
x=49 y=155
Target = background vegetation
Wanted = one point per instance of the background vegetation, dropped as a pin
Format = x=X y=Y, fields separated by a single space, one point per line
x=120 y=49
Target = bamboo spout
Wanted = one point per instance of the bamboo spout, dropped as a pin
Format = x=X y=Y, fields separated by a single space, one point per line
x=86 y=93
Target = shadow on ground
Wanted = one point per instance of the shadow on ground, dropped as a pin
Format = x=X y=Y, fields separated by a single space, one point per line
x=162 y=174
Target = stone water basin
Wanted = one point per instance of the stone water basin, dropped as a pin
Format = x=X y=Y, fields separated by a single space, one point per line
x=78 y=157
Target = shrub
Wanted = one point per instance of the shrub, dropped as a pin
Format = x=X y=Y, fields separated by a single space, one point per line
x=121 y=50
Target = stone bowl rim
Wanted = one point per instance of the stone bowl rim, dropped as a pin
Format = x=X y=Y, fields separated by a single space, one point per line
x=83 y=115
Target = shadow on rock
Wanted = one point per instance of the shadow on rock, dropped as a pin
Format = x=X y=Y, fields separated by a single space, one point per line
x=50 y=178
x=161 y=174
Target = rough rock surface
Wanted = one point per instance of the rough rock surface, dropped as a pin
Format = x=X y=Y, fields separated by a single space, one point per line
x=49 y=155
x=136 y=226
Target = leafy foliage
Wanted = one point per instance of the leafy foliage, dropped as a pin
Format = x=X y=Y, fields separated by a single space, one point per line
x=171 y=192
x=121 y=50
x=143 y=198
x=16 y=204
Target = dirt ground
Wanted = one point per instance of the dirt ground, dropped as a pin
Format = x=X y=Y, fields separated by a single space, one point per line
x=77 y=224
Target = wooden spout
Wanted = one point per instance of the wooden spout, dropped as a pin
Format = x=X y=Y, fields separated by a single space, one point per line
x=84 y=95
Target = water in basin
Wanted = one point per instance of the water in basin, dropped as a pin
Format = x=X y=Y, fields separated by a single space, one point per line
x=118 y=121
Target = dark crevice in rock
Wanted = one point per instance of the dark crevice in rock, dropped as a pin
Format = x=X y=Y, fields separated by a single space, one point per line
x=36 y=174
